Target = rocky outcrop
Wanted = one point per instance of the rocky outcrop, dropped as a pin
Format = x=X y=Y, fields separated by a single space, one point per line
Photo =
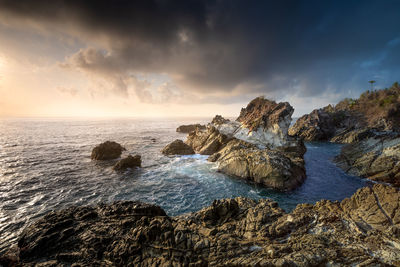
x=280 y=168
x=263 y=122
x=107 y=150
x=363 y=230
x=270 y=168
x=190 y=128
x=177 y=147
x=128 y=162
x=351 y=119
x=376 y=158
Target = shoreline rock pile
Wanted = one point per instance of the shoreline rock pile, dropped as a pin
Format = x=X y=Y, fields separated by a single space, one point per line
x=363 y=230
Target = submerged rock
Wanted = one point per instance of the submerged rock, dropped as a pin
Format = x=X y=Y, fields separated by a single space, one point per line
x=107 y=150
x=177 y=147
x=376 y=158
x=128 y=162
x=190 y=128
x=363 y=230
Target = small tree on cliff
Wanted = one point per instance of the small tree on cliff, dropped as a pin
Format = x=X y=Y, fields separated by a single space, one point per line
x=372 y=84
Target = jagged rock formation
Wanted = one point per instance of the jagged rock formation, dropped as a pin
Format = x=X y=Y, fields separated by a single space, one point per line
x=128 y=162
x=177 y=147
x=263 y=122
x=377 y=158
x=206 y=142
x=107 y=150
x=190 y=128
x=363 y=230
x=378 y=111
x=255 y=147
x=280 y=168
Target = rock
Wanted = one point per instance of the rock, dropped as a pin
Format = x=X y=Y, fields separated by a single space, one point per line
x=206 y=142
x=218 y=120
x=270 y=168
x=263 y=122
x=352 y=136
x=128 y=162
x=107 y=150
x=376 y=158
x=190 y=128
x=363 y=230
x=177 y=147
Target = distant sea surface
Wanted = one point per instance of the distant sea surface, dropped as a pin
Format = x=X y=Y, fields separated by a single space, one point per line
x=45 y=165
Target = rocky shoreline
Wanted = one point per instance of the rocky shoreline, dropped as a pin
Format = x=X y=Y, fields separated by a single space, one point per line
x=362 y=230
x=369 y=126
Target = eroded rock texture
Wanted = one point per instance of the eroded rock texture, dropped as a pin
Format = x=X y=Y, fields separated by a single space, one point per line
x=263 y=122
x=363 y=229
x=377 y=158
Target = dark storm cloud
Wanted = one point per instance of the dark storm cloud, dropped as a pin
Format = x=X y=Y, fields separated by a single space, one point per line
x=273 y=47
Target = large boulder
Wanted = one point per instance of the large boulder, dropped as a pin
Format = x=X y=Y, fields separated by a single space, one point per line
x=107 y=150
x=376 y=158
x=270 y=168
x=177 y=147
x=128 y=162
x=190 y=128
x=363 y=230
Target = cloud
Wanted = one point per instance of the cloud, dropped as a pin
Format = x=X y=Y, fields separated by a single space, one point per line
x=221 y=50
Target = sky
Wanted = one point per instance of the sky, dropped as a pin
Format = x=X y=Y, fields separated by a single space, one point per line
x=159 y=58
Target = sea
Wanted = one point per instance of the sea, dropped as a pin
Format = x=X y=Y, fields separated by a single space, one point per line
x=45 y=165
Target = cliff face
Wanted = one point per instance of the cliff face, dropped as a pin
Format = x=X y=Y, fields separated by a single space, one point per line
x=364 y=229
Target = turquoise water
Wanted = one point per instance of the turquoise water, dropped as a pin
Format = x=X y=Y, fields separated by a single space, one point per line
x=45 y=165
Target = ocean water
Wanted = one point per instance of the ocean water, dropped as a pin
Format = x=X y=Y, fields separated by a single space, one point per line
x=45 y=165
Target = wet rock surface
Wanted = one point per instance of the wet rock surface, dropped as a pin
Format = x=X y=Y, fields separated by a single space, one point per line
x=107 y=150
x=362 y=230
x=376 y=158
x=190 y=128
x=177 y=147
x=128 y=162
